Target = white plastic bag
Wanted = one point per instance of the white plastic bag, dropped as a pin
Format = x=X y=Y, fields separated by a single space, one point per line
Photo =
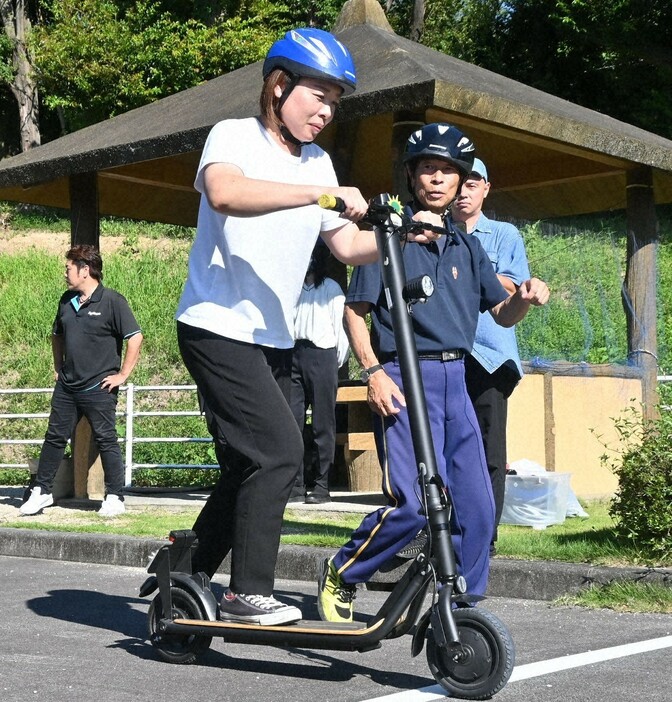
x=538 y=498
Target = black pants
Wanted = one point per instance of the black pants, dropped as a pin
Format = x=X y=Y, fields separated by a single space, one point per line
x=67 y=408
x=489 y=393
x=258 y=446
x=314 y=384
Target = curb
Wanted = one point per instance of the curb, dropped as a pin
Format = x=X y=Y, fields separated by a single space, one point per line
x=533 y=580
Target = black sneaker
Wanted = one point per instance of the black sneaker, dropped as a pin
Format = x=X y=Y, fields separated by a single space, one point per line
x=256 y=609
x=416 y=546
x=316 y=498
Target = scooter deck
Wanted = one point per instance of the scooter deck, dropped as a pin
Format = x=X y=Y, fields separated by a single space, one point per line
x=304 y=626
x=303 y=634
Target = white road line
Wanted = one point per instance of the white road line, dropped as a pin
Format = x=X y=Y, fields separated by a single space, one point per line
x=553 y=665
x=533 y=670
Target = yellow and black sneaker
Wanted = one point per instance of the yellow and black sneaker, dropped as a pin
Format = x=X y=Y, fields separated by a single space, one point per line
x=334 y=597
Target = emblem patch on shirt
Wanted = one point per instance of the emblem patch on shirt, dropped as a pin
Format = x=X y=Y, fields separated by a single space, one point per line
x=454 y=272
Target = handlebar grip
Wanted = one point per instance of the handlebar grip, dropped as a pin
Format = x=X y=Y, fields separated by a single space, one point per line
x=331 y=202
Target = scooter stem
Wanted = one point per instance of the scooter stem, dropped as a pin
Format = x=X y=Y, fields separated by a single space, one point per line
x=394 y=279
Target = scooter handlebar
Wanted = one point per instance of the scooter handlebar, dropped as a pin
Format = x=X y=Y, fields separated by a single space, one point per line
x=331 y=202
x=378 y=212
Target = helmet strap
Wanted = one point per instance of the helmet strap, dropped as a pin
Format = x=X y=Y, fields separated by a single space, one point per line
x=419 y=206
x=292 y=82
x=288 y=136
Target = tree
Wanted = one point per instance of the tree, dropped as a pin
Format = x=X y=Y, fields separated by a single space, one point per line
x=613 y=56
x=99 y=58
x=16 y=69
x=95 y=61
x=413 y=12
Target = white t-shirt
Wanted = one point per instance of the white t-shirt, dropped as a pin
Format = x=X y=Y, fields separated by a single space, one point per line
x=245 y=273
x=319 y=317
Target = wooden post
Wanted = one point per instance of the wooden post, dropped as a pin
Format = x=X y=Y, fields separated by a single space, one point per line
x=84 y=215
x=404 y=124
x=639 y=289
x=89 y=481
x=549 y=423
x=85 y=229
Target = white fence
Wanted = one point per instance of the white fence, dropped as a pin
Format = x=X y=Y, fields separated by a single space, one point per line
x=130 y=413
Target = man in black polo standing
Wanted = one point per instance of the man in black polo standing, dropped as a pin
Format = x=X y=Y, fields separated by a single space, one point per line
x=91 y=325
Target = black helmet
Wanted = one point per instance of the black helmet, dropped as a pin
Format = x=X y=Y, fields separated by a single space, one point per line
x=442 y=141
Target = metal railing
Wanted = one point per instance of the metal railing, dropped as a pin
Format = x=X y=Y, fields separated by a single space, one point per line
x=130 y=415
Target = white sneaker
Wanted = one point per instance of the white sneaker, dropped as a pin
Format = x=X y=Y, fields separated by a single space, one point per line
x=112 y=507
x=36 y=502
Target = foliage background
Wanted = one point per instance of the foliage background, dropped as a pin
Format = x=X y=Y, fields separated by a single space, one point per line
x=93 y=59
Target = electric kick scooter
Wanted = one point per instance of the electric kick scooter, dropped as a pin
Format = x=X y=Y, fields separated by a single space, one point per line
x=469 y=650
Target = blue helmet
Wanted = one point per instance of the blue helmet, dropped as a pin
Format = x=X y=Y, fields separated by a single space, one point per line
x=442 y=141
x=313 y=53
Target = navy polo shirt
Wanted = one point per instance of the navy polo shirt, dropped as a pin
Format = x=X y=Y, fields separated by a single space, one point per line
x=464 y=285
x=93 y=336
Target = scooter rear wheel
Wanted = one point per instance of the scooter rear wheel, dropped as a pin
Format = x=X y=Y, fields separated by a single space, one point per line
x=175 y=648
x=483 y=662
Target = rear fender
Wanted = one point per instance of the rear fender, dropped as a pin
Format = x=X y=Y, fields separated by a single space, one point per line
x=197 y=585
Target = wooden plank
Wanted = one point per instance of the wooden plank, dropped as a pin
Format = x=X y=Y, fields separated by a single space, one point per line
x=351 y=393
x=361 y=441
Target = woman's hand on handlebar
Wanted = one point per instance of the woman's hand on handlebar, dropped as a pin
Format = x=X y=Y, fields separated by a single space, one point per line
x=426 y=235
x=382 y=392
x=354 y=206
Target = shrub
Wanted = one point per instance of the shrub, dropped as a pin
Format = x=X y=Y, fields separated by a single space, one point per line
x=642 y=505
x=175 y=477
x=14 y=476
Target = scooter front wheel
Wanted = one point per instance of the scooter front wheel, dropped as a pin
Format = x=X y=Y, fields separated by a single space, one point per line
x=481 y=664
x=177 y=648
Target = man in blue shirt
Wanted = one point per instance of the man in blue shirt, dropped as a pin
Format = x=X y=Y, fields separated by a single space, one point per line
x=493 y=368
x=437 y=160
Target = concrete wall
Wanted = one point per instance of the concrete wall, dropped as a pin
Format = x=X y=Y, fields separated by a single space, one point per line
x=562 y=418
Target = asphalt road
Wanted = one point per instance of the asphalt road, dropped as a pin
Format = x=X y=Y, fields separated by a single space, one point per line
x=77 y=632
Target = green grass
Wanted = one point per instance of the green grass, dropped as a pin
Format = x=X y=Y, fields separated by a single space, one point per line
x=582 y=260
x=328 y=530
x=623 y=597
x=23 y=218
x=578 y=540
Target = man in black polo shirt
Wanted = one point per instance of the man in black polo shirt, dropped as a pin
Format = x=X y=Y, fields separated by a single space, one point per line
x=91 y=325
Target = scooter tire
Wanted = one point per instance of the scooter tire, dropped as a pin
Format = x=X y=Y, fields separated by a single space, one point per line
x=180 y=649
x=483 y=662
